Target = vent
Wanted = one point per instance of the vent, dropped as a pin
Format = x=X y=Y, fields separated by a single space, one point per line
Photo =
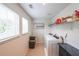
x=30 y=5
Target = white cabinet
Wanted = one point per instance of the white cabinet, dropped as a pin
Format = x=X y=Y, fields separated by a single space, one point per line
x=52 y=49
x=51 y=45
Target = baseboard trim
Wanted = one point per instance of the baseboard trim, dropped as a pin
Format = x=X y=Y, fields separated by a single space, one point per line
x=39 y=42
x=45 y=50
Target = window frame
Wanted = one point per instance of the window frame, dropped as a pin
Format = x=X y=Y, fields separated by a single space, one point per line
x=27 y=25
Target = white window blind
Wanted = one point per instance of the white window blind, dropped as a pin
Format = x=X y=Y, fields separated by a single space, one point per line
x=9 y=22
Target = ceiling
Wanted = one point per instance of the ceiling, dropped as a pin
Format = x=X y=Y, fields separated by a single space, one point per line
x=39 y=10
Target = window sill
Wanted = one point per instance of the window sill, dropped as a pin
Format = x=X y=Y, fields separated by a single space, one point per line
x=2 y=41
x=8 y=39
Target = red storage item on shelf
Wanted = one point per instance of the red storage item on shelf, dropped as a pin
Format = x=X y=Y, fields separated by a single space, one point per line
x=58 y=21
x=77 y=13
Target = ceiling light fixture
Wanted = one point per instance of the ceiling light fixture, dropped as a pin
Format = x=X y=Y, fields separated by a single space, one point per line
x=30 y=5
x=44 y=4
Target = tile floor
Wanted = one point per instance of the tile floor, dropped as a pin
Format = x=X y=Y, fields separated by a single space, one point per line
x=37 y=51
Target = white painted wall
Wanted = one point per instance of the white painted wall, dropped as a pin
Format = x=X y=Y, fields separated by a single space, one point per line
x=39 y=33
x=72 y=29
x=68 y=10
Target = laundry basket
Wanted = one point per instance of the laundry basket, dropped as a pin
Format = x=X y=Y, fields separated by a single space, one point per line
x=32 y=42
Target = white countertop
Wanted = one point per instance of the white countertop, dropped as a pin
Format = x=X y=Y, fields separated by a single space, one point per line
x=52 y=39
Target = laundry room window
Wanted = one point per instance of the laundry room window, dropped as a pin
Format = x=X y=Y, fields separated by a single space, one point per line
x=24 y=25
x=9 y=23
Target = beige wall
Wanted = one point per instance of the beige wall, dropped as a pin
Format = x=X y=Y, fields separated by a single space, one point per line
x=15 y=47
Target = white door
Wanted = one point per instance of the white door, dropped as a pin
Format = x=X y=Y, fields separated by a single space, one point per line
x=39 y=33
